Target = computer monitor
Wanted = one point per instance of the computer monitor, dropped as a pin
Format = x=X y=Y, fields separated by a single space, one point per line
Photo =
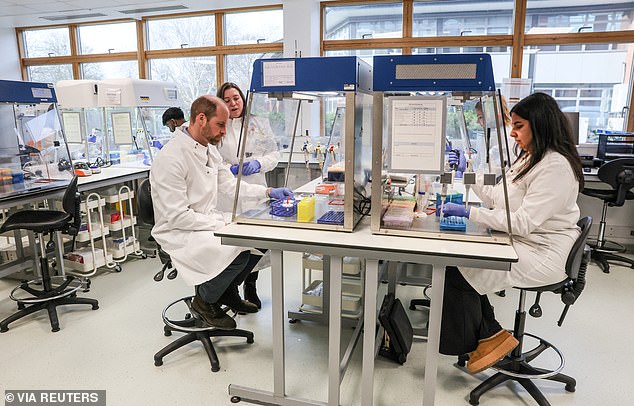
x=573 y=118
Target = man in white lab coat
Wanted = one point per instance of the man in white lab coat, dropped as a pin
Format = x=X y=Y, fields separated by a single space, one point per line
x=188 y=178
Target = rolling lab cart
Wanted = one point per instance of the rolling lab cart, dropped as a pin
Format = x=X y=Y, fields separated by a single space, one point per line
x=281 y=89
x=425 y=111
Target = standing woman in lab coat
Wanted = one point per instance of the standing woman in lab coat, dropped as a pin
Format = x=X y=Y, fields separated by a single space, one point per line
x=543 y=184
x=261 y=155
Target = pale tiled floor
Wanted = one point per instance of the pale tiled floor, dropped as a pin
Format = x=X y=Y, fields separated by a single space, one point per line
x=112 y=348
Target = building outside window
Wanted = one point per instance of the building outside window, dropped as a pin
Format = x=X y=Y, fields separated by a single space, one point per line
x=193 y=76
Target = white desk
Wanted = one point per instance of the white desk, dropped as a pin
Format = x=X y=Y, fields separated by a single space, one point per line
x=112 y=175
x=361 y=243
x=109 y=176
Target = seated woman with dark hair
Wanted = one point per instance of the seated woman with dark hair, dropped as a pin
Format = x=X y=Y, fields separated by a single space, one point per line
x=543 y=184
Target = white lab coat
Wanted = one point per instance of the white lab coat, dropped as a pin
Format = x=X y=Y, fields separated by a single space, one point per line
x=544 y=214
x=261 y=145
x=187 y=181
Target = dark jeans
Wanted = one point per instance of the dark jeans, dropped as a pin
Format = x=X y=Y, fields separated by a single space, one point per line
x=234 y=274
x=467 y=316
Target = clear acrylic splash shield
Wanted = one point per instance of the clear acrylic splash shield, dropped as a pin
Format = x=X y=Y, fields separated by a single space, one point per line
x=328 y=171
x=438 y=137
x=33 y=150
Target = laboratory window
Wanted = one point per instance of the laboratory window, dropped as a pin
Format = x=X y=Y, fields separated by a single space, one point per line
x=379 y=20
x=239 y=68
x=193 y=76
x=107 y=38
x=183 y=32
x=47 y=42
x=110 y=70
x=598 y=89
x=442 y=18
x=559 y=16
x=49 y=73
x=254 y=27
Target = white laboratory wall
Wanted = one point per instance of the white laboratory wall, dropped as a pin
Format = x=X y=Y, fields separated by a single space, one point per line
x=301 y=28
x=301 y=39
x=9 y=63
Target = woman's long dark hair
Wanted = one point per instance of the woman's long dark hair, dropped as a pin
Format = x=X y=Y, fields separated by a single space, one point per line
x=230 y=85
x=551 y=131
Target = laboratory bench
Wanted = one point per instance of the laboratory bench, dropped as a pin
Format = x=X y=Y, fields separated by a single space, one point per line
x=373 y=248
x=109 y=176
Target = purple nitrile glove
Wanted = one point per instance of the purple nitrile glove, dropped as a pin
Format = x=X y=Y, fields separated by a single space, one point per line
x=457 y=160
x=281 y=193
x=454 y=209
x=234 y=169
x=251 y=167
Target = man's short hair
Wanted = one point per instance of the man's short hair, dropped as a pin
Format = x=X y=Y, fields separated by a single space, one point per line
x=205 y=105
x=173 y=113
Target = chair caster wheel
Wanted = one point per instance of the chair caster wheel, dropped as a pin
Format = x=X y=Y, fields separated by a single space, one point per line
x=250 y=341
x=188 y=316
x=215 y=368
x=118 y=268
x=235 y=399
x=292 y=321
x=55 y=329
x=95 y=307
x=158 y=363
x=570 y=388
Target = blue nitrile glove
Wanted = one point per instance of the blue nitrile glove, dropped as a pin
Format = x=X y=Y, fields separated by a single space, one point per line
x=234 y=169
x=251 y=167
x=280 y=193
x=459 y=162
x=454 y=209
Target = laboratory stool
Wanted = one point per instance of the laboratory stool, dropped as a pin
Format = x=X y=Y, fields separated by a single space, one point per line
x=195 y=329
x=191 y=324
x=516 y=366
x=619 y=174
x=58 y=290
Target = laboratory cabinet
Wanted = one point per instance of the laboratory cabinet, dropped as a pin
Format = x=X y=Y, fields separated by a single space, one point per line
x=116 y=121
x=282 y=93
x=34 y=154
x=83 y=122
x=438 y=135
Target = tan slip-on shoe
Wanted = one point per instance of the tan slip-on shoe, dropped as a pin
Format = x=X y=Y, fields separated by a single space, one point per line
x=490 y=351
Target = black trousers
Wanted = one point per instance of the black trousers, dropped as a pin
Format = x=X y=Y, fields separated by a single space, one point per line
x=467 y=316
x=234 y=274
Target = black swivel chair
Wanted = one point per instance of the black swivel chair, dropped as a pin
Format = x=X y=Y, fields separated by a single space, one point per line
x=191 y=325
x=516 y=366
x=49 y=297
x=619 y=174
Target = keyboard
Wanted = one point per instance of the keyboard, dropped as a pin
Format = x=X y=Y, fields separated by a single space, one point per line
x=453 y=223
x=331 y=217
